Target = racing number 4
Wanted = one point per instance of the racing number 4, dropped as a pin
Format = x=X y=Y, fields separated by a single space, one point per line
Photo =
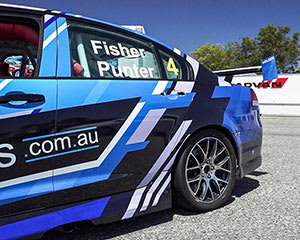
x=171 y=67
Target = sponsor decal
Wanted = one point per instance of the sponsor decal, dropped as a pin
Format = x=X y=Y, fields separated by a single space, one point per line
x=271 y=84
x=51 y=145
x=7 y=159
x=126 y=61
x=117 y=70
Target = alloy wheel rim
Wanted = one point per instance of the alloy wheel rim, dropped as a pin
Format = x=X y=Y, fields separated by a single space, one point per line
x=208 y=169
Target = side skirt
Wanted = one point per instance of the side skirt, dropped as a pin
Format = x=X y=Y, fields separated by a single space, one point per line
x=104 y=210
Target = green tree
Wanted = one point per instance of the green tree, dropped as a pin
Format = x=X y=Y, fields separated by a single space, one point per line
x=271 y=40
x=212 y=56
x=244 y=54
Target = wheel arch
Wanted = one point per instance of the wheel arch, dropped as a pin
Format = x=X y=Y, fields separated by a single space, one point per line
x=219 y=128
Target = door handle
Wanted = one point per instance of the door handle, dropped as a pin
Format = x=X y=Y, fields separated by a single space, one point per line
x=31 y=98
x=181 y=93
x=178 y=93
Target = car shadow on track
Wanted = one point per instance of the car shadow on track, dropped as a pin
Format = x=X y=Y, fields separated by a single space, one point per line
x=106 y=231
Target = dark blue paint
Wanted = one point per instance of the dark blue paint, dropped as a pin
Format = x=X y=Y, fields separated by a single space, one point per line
x=45 y=222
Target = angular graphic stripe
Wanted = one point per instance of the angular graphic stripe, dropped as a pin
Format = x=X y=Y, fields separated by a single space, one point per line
x=134 y=202
x=49 y=39
x=16 y=114
x=27 y=190
x=170 y=163
x=83 y=166
x=159 y=178
x=223 y=82
x=108 y=149
x=4 y=83
x=54 y=34
x=152 y=190
x=167 y=151
x=161 y=190
x=185 y=87
x=49 y=19
x=160 y=87
x=146 y=126
x=24 y=179
x=195 y=65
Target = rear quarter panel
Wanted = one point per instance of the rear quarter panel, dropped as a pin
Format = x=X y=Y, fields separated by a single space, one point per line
x=220 y=104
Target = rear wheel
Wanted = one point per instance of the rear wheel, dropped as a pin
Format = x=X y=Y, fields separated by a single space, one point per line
x=205 y=173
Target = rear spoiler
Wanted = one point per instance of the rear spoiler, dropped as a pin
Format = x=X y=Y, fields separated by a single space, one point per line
x=229 y=73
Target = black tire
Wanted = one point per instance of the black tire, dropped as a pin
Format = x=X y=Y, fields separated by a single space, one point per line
x=198 y=196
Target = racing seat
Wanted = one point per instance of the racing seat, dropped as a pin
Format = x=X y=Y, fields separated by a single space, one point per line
x=18 y=32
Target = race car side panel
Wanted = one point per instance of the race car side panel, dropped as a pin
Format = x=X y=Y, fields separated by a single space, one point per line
x=21 y=120
x=218 y=103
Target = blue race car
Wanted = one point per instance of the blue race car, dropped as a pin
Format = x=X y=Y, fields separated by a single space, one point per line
x=112 y=124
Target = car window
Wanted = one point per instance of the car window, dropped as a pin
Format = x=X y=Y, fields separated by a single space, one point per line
x=19 y=41
x=102 y=53
x=174 y=65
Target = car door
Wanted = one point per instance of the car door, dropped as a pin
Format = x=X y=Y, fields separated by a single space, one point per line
x=117 y=113
x=28 y=92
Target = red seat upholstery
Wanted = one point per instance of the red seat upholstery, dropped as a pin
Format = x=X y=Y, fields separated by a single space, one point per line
x=18 y=32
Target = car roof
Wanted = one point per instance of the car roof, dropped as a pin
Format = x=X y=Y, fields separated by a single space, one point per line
x=35 y=10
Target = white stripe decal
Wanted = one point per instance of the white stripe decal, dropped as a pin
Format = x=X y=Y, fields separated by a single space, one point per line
x=24 y=179
x=80 y=167
x=104 y=154
x=166 y=152
x=170 y=163
x=161 y=190
x=146 y=126
x=152 y=189
x=4 y=83
x=186 y=87
x=47 y=17
x=160 y=87
x=134 y=203
x=195 y=65
x=56 y=12
x=159 y=178
x=223 y=82
x=16 y=114
x=49 y=39
x=21 y=6
x=177 y=51
x=54 y=34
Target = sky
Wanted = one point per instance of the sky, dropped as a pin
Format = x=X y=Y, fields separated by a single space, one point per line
x=185 y=24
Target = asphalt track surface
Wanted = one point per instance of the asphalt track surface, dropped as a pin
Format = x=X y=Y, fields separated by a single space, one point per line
x=264 y=205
